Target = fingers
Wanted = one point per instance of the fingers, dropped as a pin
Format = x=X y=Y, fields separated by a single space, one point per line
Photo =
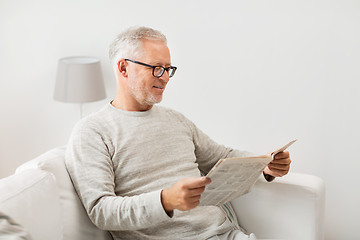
x=282 y=155
x=192 y=188
x=278 y=172
x=280 y=166
x=195 y=191
x=276 y=166
x=282 y=158
x=275 y=172
x=193 y=183
x=185 y=194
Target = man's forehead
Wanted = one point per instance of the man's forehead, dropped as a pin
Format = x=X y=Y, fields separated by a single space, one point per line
x=156 y=51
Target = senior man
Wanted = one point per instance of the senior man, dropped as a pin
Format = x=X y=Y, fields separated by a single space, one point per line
x=136 y=165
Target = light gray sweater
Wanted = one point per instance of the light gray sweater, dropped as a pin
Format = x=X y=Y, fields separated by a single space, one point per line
x=119 y=162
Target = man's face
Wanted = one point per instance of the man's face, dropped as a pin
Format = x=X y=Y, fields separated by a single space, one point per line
x=144 y=88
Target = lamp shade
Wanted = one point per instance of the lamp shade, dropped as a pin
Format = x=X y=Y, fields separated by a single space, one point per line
x=79 y=80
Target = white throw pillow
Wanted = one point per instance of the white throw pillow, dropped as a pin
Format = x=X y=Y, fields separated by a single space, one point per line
x=77 y=225
x=31 y=199
x=9 y=229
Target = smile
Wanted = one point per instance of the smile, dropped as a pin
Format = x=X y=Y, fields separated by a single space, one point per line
x=159 y=87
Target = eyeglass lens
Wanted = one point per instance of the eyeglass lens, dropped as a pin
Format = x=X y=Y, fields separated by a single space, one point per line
x=159 y=71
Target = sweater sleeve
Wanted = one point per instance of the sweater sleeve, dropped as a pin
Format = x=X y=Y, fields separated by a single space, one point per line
x=90 y=167
x=207 y=151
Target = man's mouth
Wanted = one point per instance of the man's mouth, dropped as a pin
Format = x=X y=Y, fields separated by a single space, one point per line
x=159 y=87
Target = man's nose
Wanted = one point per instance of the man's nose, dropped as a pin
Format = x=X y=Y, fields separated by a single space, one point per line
x=165 y=77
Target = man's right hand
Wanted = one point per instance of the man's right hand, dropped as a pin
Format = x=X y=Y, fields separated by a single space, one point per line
x=184 y=195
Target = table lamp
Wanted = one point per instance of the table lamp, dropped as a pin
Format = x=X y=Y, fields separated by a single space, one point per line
x=79 y=80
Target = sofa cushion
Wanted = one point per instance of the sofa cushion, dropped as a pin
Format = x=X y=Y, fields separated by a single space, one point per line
x=31 y=199
x=77 y=224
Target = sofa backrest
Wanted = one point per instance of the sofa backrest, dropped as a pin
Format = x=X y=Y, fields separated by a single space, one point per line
x=31 y=199
x=76 y=223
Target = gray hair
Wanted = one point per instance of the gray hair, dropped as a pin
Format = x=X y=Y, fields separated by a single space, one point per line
x=129 y=42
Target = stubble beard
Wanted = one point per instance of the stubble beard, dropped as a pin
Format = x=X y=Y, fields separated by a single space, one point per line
x=144 y=97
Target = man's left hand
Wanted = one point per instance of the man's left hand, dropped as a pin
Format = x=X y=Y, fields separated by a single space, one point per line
x=280 y=166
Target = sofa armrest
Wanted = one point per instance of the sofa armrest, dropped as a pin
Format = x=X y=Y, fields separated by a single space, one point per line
x=291 y=207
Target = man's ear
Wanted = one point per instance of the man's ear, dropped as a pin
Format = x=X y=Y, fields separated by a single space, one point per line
x=122 y=67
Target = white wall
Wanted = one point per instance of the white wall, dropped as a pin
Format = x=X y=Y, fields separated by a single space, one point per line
x=252 y=74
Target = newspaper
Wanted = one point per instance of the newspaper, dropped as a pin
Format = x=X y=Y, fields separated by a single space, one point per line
x=234 y=177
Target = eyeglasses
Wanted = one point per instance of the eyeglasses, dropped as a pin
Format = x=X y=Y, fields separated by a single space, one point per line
x=158 y=71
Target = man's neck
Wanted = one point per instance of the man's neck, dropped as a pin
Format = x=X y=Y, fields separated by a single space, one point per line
x=130 y=107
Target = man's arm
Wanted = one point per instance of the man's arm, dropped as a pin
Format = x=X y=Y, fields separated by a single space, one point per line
x=208 y=152
x=90 y=167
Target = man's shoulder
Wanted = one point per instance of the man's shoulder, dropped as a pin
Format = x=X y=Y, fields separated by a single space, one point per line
x=95 y=119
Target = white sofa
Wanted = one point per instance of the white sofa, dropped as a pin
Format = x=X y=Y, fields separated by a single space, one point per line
x=41 y=198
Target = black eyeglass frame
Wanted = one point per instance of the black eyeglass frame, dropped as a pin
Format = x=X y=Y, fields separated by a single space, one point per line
x=163 y=69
